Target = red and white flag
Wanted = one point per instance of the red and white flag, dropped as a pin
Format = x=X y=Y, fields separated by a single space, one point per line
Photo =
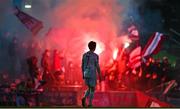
x=30 y=22
x=154 y=44
x=133 y=33
x=135 y=58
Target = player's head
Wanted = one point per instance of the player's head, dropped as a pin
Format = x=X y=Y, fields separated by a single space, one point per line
x=92 y=45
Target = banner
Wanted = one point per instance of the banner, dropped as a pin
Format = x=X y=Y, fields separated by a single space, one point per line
x=135 y=58
x=30 y=22
x=154 y=44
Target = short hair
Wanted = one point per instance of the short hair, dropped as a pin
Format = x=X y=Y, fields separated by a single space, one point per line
x=92 y=45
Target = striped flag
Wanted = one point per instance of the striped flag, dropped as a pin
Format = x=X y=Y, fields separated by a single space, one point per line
x=154 y=44
x=133 y=33
x=30 y=22
x=135 y=58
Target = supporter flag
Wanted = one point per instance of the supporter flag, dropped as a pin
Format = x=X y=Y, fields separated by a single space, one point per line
x=30 y=22
x=133 y=33
x=135 y=58
x=154 y=44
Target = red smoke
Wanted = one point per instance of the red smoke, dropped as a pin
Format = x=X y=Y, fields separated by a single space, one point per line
x=79 y=21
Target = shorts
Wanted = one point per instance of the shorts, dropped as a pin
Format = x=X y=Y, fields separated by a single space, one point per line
x=90 y=82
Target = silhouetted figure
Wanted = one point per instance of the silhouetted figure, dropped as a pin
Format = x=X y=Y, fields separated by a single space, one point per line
x=57 y=67
x=166 y=69
x=56 y=62
x=34 y=72
x=46 y=65
x=90 y=64
x=33 y=68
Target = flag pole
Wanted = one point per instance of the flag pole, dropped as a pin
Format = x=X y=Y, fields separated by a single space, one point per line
x=175 y=32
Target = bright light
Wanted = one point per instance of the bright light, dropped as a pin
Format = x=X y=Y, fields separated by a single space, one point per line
x=115 y=53
x=27 y=6
x=100 y=47
x=126 y=44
